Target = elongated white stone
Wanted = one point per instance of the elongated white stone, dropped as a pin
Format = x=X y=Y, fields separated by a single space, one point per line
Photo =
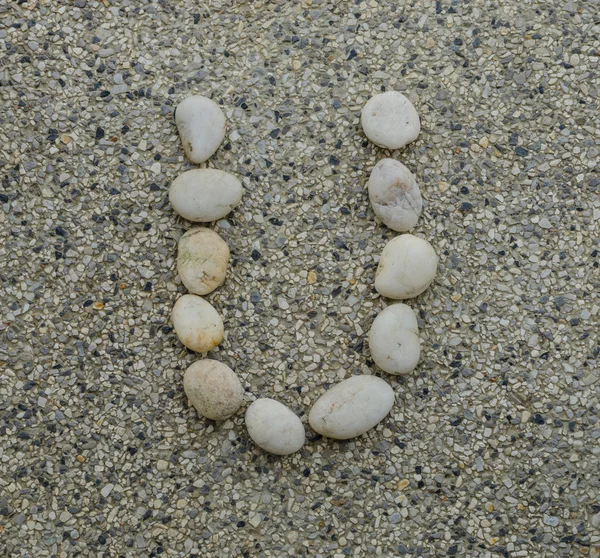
x=351 y=407
x=201 y=126
x=394 y=340
x=394 y=194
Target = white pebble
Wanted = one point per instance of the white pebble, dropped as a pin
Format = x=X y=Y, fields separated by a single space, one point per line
x=390 y=120
x=201 y=126
x=202 y=257
x=394 y=340
x=274 y=428
x=406 y=268
x=213 y=389
x=394 y=195
x=204 y=195
x=197 y=324
x=351 y=407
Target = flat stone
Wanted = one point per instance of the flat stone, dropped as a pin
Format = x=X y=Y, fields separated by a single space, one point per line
x=255 y=520
x=545 y=223
x=107 y=489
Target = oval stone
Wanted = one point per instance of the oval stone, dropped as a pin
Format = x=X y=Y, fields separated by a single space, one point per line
x=390 y=120
x=213 y=389
x=201 y=126
x=274 y=428
x=351 y=407
x=205 y=195
x=394 y=195
x=202 y=257
x=407 y=266
x=197 y=324
x=394 y=339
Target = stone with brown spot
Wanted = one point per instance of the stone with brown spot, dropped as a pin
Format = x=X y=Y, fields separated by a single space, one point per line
x=202 y=257
x=197 y=324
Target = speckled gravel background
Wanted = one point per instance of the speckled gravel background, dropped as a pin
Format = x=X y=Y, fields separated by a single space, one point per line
x=493 y=447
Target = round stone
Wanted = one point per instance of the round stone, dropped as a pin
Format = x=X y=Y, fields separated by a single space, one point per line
x=202 y=257
x=205 y=195
x=213 y=389
x=197 y=324
x=390 y=120
x=201 y=126
x=274 y=428
x=406 y=268
x=394 y=339
x=394 y=195
x=352 y=407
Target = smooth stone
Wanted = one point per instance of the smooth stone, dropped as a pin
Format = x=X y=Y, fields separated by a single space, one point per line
x=202 y=257
x=201 y=126
x=274 y=428
x=213 y=389
x=205 y=195
x=395 y=195
x=394 y=339
x=406 y=268
x=197 y=324
x=390 y=120
x=351 y=407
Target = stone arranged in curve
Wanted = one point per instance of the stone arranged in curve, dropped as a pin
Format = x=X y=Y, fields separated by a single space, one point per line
x=197 y=324
x=274 y=427
x=395 y=195
x=407 y=266
x=390 y=120
x=394 y=340
x=205 y=195
x=201 y=126
x=213 y=389
x=352 y=407
x=202 y=258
